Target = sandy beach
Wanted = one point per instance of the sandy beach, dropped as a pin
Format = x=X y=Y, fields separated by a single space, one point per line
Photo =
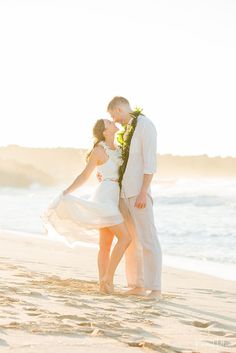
x=49 y=301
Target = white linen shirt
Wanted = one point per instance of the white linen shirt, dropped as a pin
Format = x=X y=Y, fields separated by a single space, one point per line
x=142 y=157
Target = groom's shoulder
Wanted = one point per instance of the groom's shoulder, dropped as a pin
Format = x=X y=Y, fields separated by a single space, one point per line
x=145 y=121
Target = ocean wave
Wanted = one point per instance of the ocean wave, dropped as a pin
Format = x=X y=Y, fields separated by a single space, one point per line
x=198 y=201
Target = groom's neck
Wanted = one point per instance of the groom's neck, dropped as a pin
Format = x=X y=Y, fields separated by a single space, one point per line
x=127 y=117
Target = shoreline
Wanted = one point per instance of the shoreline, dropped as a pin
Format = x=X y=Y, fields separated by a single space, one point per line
x=205 y=267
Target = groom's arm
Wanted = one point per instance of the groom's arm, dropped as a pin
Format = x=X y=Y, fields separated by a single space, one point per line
x=147 y=179
x=149 y=150
x=142 y=197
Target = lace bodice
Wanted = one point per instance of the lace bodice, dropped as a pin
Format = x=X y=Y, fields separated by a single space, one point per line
x=109 y=169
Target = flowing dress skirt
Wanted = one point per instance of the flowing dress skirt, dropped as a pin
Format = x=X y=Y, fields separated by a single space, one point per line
x=68 y=214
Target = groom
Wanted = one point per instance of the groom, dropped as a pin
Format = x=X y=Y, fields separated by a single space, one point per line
x=144 y=256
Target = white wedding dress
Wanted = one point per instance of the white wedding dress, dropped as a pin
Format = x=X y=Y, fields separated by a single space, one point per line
x=67 y=214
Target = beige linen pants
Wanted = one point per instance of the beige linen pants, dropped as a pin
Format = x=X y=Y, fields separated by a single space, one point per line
x=143 y=256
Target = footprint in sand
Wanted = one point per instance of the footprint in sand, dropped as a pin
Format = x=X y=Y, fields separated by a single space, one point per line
x=30 y=309
x=33 y=294
x=70 y=317
x=230 y=335
x=160 y=348
x=196 y=323
x=24 y=274
x=34 y=314
x=218 y=332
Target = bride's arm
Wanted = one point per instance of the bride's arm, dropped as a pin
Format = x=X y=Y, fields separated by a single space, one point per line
x=82 y=177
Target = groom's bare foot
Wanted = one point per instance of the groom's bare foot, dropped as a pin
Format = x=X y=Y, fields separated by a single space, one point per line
x=136 y=291
x=155 y=294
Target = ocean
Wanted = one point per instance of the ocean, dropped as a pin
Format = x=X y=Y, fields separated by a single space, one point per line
x=195 y=219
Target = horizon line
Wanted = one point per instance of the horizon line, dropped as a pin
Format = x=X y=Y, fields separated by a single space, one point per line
x=84 y=148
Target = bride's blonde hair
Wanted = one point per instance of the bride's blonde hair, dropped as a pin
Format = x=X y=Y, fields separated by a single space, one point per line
x=98 y=136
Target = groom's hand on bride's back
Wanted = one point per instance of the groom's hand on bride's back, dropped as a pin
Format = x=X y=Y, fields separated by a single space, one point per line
x=99 y=176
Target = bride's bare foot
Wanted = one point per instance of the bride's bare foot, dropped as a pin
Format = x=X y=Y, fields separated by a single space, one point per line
x=136 y=291
x=109 y=287
x=155 y=294
x=106 y=287
x=102 y=286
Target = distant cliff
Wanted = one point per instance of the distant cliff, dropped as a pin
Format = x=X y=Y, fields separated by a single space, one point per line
x=22 y=166
x=196 y=166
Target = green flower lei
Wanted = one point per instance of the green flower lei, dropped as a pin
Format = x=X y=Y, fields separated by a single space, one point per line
x=124 y=144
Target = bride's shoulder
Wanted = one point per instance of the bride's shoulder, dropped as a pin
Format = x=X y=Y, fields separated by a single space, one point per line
x=103 y=147
x=98 y=148
x=101 y=144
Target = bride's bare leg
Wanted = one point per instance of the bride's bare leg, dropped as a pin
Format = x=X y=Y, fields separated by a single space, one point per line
x=122 y=244
x=105 y=241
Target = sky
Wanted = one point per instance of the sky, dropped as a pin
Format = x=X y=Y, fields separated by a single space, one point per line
x=62 y=61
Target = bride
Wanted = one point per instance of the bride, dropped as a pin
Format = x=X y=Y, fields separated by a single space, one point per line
x=101 y=210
